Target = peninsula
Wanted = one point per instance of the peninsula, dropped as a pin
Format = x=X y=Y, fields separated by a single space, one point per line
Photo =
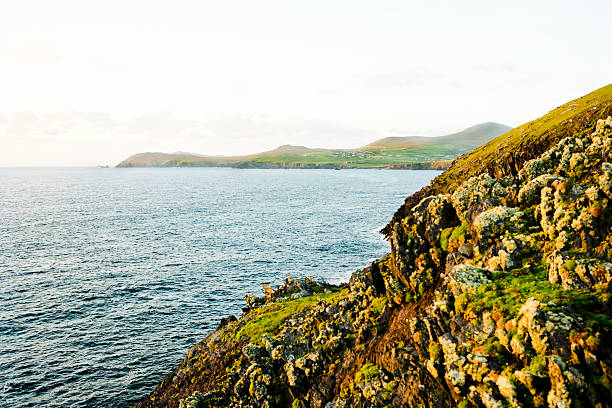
x=411 y=152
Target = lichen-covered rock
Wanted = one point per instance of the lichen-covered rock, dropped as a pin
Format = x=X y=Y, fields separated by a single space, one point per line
x=196 y=400
x=466 y=278
x=491 y=223
x=530 y=193
x=563 y=380
x=482 y=192
x=547 y=330
x=605 y=179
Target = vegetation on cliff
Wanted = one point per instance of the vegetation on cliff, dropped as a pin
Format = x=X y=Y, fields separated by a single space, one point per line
x=412 y=152
x=497 y=292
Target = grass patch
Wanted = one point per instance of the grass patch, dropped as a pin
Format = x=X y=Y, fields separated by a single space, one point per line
x=367 y=372
x=378 y=304
x=509 y=292
x=268 y=318
x=446 y=232
x=459 y=232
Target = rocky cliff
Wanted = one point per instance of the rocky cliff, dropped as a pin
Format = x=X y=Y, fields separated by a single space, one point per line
x=496 y=293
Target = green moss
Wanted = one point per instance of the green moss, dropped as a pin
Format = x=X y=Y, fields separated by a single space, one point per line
x=266 y=319
x=378 y=304
x=569 y=265
x=444 y=238
x=510 y=291
x=435 y=352
x=461 y=302
x=459 y=232
x=464 y=404
x=592 y=342
x=297 y=403
x=494 y=348
x=367 y=373
x=539 y=365
x=604 y=381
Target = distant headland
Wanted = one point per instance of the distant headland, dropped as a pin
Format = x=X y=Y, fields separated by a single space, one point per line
x=410 y=152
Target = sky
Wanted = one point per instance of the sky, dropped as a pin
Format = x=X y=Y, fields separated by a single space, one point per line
x=92 y=82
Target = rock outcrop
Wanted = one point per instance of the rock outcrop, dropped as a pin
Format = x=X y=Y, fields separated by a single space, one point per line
x=495 y=294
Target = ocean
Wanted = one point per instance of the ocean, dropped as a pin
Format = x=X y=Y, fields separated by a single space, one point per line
x=108 y=276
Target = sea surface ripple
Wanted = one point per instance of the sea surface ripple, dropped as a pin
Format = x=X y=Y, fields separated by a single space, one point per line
x=108 y=276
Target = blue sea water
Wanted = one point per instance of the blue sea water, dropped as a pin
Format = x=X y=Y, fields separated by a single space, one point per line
x=108 y=276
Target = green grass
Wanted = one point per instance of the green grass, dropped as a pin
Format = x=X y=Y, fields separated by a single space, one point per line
x=446 y=232
x=365 y=158
x=509 y=291
x=367 y=373
x=267 y=319
x=312 y=158
x=378 y=305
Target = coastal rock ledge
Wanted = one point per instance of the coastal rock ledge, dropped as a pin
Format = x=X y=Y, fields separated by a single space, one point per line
x=496 y=294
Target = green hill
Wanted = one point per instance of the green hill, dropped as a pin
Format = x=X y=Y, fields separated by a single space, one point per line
x=395 y=152
x=472 y=137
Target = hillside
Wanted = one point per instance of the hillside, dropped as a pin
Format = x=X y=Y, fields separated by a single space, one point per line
x=402 y=152
x=497 y=292
x=471 y=138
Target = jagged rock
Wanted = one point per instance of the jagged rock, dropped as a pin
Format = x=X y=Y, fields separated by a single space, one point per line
x=255 y=353
x=466 y=249
x=605 y=179
x=517 y=346
x=295 y=376
x=546 y=330
x=530 y=193
x=490 y=402
x=196 y=400
x=576 y=273
x=466 y=278
x=456 y=377
x=559 y=396
x=492 y=222
x=479 y=190
x=226 y=320
x=477 y=367
x=533 y=382
x=602 y=126
x=507 y=390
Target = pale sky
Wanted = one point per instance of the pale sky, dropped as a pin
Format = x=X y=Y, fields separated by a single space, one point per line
x=92 y=82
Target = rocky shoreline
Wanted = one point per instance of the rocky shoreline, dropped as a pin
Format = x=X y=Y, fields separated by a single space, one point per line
x=495 y=294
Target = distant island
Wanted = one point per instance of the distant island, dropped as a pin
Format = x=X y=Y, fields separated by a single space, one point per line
x=410 y=152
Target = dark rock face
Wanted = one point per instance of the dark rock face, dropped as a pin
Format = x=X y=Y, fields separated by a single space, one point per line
x=498 y=294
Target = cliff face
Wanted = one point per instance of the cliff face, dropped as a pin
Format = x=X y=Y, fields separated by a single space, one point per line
x=495 y=294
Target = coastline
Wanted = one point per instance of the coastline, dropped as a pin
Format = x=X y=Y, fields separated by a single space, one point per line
x=424 y=326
